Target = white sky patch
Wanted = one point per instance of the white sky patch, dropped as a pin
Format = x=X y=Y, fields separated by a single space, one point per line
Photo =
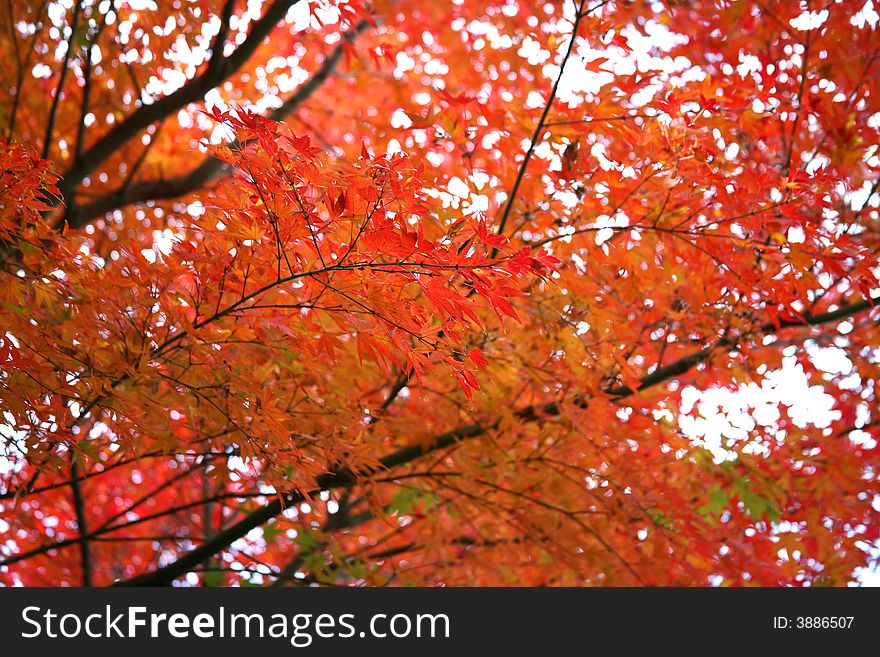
x=534 y=100
x=867 y=15
x=870 y=576
x=458 y=187
x=531 y=51
x=646 y=54
x=480 y=178
x=748 y=64
x=476 y=204
x=300 y=16
x=859 y=198
x=394 y=147
x=568 y=198
x=606 y=226
x=400 y=119
x=404 y=63
x=726 y=419
x=458 y=194
x=809 y=20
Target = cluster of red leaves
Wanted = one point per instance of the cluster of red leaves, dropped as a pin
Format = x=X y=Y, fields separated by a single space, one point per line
x=298 y=264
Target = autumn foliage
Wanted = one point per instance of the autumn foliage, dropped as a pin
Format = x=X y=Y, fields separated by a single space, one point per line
x=392 y=293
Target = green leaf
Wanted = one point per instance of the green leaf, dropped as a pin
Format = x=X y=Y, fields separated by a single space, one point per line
x=756 y=506
x=306 y=541
x=408 y=499
x=659 y=518
x=718 y=501
x=271 y=532
x=403 y=501
x=213 y=578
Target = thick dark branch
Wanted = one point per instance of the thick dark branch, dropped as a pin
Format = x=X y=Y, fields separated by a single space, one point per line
x=536 y=137
x=87 y=80
x=65 y=65
x=211 y=168
x=220 y=38
x=219 y=69
x=81 y=524
x=684 y=364
x=342 y=479
x=23 y=66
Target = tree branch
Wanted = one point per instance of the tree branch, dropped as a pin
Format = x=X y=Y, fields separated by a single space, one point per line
x=211 y=168
x=81 y=524
x=219 y=69
x=65 y=65
x=342 y=479
x=581 y=14
x=87 y=80
x=345 y=478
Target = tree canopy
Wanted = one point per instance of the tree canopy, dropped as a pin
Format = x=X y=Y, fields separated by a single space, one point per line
x=350 y=292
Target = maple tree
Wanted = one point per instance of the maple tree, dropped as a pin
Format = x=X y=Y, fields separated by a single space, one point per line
x=392 y=292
